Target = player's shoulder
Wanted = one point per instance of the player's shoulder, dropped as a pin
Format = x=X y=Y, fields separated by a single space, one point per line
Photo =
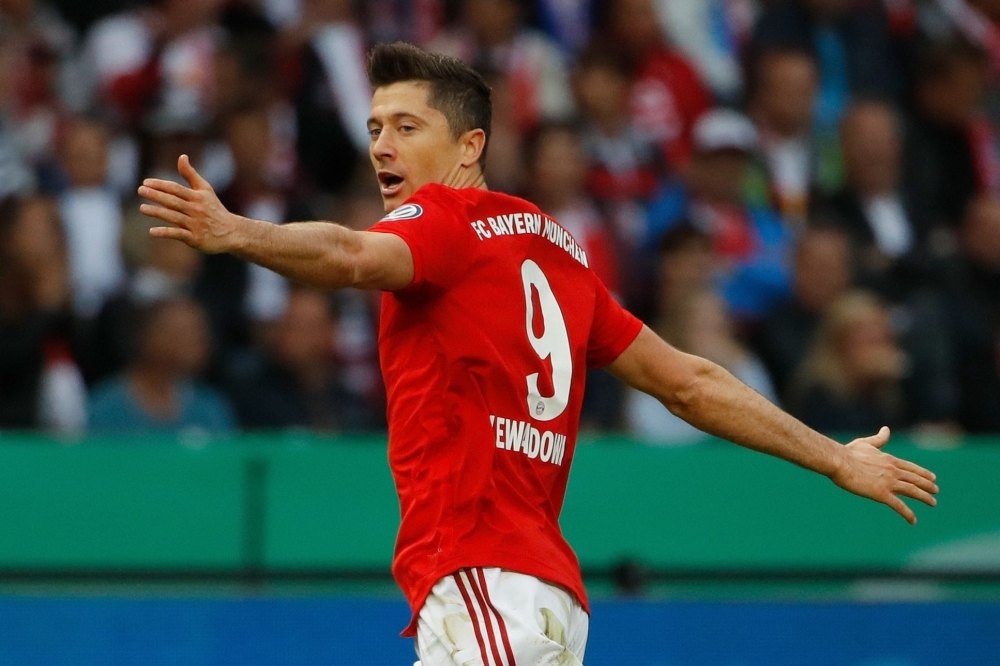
x=435 y=199
x=509 y=201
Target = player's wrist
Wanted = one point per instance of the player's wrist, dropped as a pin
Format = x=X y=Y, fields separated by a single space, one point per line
x=839 y=460
x=244 y=234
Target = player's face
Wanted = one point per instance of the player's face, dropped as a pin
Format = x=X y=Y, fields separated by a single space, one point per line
x=411 y=143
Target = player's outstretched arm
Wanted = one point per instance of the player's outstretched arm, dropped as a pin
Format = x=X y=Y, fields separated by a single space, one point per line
x=711 y=399
x=319 y=254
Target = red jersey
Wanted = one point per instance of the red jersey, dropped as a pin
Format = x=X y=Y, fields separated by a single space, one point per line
x=484 y=357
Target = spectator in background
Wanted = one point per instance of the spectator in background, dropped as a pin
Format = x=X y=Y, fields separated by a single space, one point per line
x=323 y=58
x=713 y=35
x=165 y=271
x=686 y=264
x=504 y=159
x=159 y=392
x=976 y=22
x=796 y=160
x=246 y=75
x=91 y=213
x=667 y=97
x=699 y=325
x=951 y=152
x=850 y=42
x=625 y=165
x=37 y=84
x=821 y=274
x=25 y=24
x=919 y=327
x=492 y=36
x=237 y=294
x=414 y=21
x=155 y=60
x=568 y=23
x=851 y=380
x=898 y=254
x=40 y=385
x=162 y=138
x=244 y=68
x=974 y=312
x=751 y=244
x=297 y=382
x=894 y=240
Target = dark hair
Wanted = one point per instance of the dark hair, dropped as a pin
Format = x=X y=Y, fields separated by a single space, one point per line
x=457 y=91
x=532 y=143
x=599 y=55
x=938 y=61
x=758 y=59
x=683 y=236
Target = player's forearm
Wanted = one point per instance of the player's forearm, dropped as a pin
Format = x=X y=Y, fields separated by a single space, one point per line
x=718 y=403
x=318 y=254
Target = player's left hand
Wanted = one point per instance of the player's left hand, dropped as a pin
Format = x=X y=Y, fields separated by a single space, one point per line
x=872 y=473
x=195 y=214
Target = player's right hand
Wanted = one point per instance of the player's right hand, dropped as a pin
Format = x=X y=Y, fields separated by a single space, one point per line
x=195 y=214
x=870 y=472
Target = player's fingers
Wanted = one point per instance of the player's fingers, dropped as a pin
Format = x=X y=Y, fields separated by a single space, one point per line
x=173 y=233
x=899 y=507
x=879 y=439
x=165 y=214
x=190 y=175
x=918 y=481
x=162 y=198
x=915 y=468
x=910 y=490
x=170 y=187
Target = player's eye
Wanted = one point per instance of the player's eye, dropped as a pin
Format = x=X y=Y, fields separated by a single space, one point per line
x=373 y=132
x=406 y=129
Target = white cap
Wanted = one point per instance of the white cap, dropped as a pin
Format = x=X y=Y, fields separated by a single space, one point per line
x=724 y=129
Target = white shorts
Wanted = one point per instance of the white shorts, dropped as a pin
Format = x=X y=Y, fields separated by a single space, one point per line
x=494 y=617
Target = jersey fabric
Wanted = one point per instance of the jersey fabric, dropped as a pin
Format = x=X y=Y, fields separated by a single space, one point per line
x=484 y=357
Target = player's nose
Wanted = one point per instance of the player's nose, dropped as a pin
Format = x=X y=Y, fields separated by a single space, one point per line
x=382 y=147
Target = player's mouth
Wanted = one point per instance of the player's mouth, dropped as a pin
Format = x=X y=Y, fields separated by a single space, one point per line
x=390 y=183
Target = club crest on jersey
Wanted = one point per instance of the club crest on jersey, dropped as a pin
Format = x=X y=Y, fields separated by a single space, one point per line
x=404 y=212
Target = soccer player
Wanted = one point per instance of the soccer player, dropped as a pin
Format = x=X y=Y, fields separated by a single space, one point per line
x=490 y=317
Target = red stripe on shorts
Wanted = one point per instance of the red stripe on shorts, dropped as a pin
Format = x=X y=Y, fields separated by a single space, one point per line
x=503 y=627
x=475 y=619
x=486 y=616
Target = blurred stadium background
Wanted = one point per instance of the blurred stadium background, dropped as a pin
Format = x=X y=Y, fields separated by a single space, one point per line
x=192 y=451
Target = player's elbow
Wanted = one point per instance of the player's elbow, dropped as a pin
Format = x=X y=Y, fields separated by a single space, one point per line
x=692 y=388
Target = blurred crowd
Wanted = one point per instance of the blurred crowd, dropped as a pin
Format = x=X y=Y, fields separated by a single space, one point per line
x=806 y=192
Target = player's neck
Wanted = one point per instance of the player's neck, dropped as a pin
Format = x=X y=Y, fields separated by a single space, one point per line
x=464 y=178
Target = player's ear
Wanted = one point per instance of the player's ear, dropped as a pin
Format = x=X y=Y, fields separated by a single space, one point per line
x=473 y=143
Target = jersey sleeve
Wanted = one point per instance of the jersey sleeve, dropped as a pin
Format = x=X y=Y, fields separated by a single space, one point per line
x=614 y=328
x=432 y=224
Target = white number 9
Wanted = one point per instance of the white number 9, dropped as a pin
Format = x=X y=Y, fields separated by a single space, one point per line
x=553 y=343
